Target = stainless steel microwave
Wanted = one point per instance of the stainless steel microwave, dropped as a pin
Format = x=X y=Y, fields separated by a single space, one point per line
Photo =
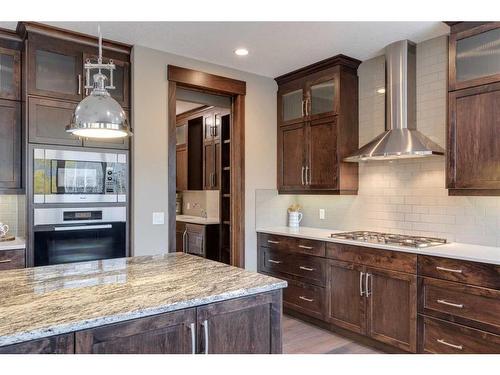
x=69 y=176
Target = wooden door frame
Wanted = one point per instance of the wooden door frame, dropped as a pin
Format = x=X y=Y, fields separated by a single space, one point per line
x=206 y=82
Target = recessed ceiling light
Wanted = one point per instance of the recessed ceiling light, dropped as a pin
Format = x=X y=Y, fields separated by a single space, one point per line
x=381 y=90
x=241 y=51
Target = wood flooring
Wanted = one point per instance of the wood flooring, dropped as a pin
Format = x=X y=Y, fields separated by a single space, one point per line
x=303 y=338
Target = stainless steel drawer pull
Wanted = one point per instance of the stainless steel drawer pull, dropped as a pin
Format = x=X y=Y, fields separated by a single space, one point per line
x=193 y=338
x=361 y=291
x=306 y=247
x=273 y=242
x=306 y=268
x=448 y=269
x=6 y=261
x=443 y=302
x=441 y=341
x=275 y=261
x=306 y=299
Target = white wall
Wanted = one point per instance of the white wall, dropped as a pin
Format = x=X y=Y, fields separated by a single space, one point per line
x=150 y=145
x=407 y=196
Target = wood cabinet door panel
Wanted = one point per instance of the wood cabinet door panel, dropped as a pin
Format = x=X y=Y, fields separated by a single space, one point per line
x=291 y=157
x=55 y=68
x=168 y=333
x=10 y=74
x=249 y=325
x=322 y=94
x=305 y=298
x=292 y=244
x=61 y=344
x=346 y=306
x=195 y=239
x=47 y=120
x=440 y=337
x=291 y=104
x=209 y=162
x=10 y=144
x=392 y=310
x=322 y=163
x=474 y=138
x=181 y=168
x=12 y=259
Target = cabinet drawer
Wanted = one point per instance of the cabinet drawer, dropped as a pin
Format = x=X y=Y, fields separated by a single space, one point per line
x=379 y=258
x=481 y=274
x=468 y=302
x=305 y=298
x=11 y=259
x=302 y=267
x=296 y=245
x=448 y=338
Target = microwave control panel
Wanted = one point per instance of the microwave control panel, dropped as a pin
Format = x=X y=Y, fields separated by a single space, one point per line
x=109 y=180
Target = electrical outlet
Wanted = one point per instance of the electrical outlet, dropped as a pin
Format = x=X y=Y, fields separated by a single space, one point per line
x=322 y=213
x=158 y=218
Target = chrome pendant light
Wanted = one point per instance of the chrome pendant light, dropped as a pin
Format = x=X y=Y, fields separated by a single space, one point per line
x=99 y=115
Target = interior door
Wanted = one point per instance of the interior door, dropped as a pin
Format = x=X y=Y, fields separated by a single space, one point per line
x=346 y=303
x=291 y=157
x=392 y=312
x=55 y=68
x=322 y=172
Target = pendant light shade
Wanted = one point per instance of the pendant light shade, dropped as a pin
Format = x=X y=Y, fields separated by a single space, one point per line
x=99 y=115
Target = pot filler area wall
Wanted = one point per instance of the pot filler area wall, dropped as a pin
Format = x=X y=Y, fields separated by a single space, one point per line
x=404 y=196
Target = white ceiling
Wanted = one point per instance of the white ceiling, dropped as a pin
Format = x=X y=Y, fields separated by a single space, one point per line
x=181 y=106
x=275 y=47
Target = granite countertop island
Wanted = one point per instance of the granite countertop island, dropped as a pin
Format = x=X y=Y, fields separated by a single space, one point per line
x=45 y=301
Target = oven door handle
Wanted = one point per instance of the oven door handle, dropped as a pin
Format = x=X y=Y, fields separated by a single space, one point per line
x=83 y=227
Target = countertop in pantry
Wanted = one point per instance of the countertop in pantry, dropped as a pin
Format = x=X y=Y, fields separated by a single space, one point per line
x=453 y=250
x=45 y=301
x=197 y=219
x=16 y=244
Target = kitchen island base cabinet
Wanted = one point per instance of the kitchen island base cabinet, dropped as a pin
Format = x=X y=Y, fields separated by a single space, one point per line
x=61 y=344
x=168 y=333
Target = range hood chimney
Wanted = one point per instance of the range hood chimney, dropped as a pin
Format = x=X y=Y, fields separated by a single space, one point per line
x=401 y=139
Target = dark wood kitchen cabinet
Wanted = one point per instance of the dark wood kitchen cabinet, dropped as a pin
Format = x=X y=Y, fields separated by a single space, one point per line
x=10 y=145
x=10 y=73
x=169 y=333
x=473 y=135
x=197 y=239
x=212 y=151
x=250 y=325
x=60 y=344
x=318 y=127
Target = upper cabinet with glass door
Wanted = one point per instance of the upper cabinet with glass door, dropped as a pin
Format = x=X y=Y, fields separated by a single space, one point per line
x=474 y=56
x=10 y=74
x=55 y=68
x=291 y=103
x=321 y=97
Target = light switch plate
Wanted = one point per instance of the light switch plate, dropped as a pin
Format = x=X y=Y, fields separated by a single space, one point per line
x=322 y=214
x=158 y=218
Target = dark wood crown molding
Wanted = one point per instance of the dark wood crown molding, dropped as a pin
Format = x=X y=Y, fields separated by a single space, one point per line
x=10 y=39
x=201 y=80
x=24 y=27
x=459 y=26
x=343 y=60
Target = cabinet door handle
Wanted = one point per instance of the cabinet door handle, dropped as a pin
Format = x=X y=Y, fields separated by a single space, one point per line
x=184 y=241
x=275 y=261
x=79 y=84
x=368 y=291
x=306 y=299
x=273 y=242
x=306 y=268
x=308 y=181
x=444 y=302
x=302 y=175
x=441 y=341
x=193 y=338
x=307 y=106
x=205 y=331
x=306 y=247
x=6 y=261
x=303 y=107
x=448 y=269
x=361 y=291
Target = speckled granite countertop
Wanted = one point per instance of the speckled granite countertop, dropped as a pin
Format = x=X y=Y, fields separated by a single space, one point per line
x=45 y=301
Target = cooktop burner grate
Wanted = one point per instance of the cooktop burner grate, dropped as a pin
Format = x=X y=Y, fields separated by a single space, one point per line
x=390 y=239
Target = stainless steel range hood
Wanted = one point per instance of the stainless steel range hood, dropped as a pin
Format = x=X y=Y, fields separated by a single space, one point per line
x=401 y=138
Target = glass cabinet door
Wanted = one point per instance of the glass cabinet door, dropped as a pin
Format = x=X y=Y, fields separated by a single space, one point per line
x=292 y=105
x=10 y=74
x=477 y=57
x=322 y=98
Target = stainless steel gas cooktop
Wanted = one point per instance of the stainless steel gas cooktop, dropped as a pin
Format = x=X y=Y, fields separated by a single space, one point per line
x=390 y=239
